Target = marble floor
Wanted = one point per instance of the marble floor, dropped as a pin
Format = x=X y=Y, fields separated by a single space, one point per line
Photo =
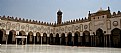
x=55 y=49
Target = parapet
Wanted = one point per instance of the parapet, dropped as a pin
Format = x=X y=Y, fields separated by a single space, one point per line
x=16 y=19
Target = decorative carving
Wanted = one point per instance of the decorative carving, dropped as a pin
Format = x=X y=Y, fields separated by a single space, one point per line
x=38 y=28
x=22 y=27
x=27 y=27
x=13 y=26
x=31 y=28
x=85 y=26
x=77 y=27
x=69 y=28
x=73 y=28
x=108 y=24
x=81 y=27
x=115 y=23
x=57 y=30
x=8 y=25
x=48 y=30
x=62 y=29
x=2 y=25
x=52 y=30
x=66 y=29
x=35 y=28
x=18 y=26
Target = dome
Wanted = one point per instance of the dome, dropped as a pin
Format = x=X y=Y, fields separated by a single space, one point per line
x=100 y=10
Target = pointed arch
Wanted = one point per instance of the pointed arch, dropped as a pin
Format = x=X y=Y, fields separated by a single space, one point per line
x=57 y=39
x=19 y=40
x=69 y=37
x=76 y=39
x=44 y=38
x=100 y=37
x=11 y=37
x=2 y=34
x=116 y=37
x=21 y=33
x=30 y=38
x=51 y=39
x=86 y=38
x=63 y=40
x=37 y=38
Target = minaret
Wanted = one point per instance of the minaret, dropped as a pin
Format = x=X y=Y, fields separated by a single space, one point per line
x=59 y=17
x=89 y=16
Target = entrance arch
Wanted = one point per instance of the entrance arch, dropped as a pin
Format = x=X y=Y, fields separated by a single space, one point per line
x=11 y=37
x=116 y=37
x=76 y=35
x=19 y=40
x=69 y=37
x=63 y=41
x=51 y=39
x=57 y=39
x=37 y=38
x=2 y=33
x=100 y=38
x=44 y=38
x=86 y=38
x=30 y=38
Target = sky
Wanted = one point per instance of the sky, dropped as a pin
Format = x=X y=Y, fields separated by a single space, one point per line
x=46 y=10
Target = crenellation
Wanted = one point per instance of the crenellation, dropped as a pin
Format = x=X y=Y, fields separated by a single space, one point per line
x=114 y=13
x=30 y=21
x=27 y=20
x=3 y=17
x=76 y=20
x=12 y=18
x=118 y=12
x=39 y=22
x=42 y=22
x=19 y=19
x=15 y=19
x=23 y=20
x=8 y=17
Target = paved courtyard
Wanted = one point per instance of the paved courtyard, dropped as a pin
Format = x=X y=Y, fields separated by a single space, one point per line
x=55 y=49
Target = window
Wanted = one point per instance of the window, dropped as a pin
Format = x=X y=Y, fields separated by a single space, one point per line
x=98 y=17
x=93 y=18
x=102 y=16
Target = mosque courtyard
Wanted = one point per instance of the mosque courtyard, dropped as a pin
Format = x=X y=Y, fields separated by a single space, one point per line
x=55 y=49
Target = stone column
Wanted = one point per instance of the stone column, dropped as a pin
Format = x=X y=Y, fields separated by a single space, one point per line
x=91 y=40
x=72 y=38
x=110 y=41
x=104 y=40
x=66 y=38
x=41 y=38
x=48 y=35
x=6 y=39
x=34 y=37
x=16 y=41
x=7 y=33
x=26 y=40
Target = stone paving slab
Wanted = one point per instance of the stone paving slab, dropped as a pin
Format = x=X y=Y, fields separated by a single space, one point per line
x=55 y=49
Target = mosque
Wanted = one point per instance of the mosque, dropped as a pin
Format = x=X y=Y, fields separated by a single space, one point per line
x=99 y=29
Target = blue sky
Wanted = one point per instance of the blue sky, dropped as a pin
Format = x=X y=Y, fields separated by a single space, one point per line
x=45 y=10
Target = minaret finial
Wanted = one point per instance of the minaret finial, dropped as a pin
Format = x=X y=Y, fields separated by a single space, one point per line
x=108 y=8
x=89 y=12
x=100 y=8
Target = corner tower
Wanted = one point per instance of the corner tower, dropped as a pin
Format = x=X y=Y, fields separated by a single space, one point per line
x=59 y=17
